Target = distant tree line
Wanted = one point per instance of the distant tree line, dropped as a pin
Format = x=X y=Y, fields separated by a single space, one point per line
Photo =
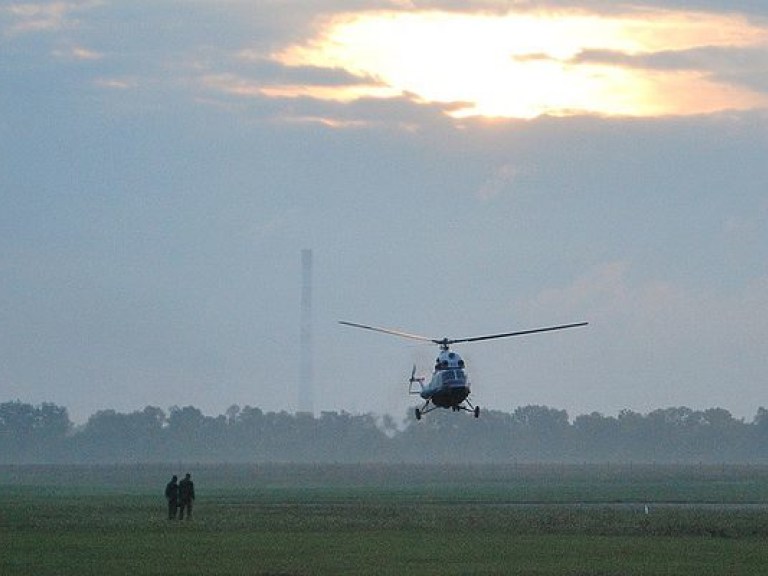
x=44 y=434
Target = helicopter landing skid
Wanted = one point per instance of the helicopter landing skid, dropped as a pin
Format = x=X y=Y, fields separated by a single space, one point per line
x=427 y=408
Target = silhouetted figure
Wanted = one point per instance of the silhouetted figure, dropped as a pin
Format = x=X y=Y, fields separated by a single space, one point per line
x=186 y=497
x=172 y=495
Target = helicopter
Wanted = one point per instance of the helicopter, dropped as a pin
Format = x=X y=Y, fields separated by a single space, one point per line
x=449 y=385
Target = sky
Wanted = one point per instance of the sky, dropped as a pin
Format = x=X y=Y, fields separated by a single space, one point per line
x=457 y=169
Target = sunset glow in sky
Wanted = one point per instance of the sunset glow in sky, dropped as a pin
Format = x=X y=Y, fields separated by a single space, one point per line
x=526 y=64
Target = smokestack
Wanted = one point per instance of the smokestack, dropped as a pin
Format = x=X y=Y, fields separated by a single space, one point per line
x=306 y=399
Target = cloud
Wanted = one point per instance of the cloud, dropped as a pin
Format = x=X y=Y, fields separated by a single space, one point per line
x=245 y=50
x=664 y=342
x=664 y=315
x=77 y=54
x=36 y=17
x=730 y=65
x=269 y=72
x=502 y=179
x=533 y=62
x=117 y=83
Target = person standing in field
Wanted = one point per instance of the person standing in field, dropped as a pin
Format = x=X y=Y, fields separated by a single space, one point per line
x=172 y=496
x=186 y=497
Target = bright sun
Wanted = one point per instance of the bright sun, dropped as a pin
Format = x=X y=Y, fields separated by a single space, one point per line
x=523 y=65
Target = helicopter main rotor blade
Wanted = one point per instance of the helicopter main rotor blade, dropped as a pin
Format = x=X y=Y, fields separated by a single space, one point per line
x=519 y=333
x=388 y=331
x=445 y=342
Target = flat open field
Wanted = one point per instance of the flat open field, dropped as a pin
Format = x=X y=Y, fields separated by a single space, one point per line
x=370 y=519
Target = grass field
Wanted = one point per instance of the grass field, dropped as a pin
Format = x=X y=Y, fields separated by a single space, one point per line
x=283 y=519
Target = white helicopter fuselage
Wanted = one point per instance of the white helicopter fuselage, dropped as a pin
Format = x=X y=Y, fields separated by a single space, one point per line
x=449 y=385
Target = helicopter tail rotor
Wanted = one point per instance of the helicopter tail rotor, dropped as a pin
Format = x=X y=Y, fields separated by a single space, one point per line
x=413 y=380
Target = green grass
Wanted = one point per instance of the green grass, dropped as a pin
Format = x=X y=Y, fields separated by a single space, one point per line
x=387 y=520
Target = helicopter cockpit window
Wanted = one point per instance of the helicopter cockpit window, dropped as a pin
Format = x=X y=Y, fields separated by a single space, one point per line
x=454 y=376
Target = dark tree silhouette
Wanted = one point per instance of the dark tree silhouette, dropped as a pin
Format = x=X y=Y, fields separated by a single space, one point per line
x=33 y=434
x=44 y=434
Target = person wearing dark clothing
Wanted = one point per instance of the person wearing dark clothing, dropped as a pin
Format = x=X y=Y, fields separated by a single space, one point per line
x=186 y=497
x=172 y=495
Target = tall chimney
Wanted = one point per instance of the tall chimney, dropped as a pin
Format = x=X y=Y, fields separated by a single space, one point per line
x=306 y=399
